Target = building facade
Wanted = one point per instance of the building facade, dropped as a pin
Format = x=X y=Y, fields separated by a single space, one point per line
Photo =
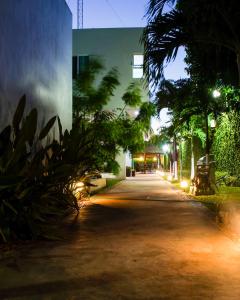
x=115 y=47
x=36 y=58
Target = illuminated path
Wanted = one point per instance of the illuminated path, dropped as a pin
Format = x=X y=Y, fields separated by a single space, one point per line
x=142 y=240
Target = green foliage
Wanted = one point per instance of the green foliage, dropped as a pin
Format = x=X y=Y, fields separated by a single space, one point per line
x=209 y=31
x=111 y=131
x=36 y=181
x=227 y=142
x=132 y=96
x=88 y=96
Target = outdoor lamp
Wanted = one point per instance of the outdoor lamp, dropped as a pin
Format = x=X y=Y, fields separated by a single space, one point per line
x=165 y=148
x=184 y=184
x=216 y=94
x=212 y=123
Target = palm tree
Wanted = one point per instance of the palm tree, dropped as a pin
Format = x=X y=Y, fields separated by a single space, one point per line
x=186 y=101
x=202 y=23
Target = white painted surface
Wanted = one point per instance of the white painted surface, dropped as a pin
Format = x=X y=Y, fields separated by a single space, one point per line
x=35 y=58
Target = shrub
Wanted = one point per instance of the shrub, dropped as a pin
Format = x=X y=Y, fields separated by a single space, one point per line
x=36 y=180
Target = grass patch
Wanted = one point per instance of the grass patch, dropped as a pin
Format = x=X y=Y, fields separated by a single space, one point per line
x=223 y=195
x=110 y=182
x=177 y=184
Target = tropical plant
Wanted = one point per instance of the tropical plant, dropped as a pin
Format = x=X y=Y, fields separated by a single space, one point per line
x=111 y=130
x=37 y=178
x=195 y=25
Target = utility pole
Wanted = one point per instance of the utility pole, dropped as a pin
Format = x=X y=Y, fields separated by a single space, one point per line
x=79 y=14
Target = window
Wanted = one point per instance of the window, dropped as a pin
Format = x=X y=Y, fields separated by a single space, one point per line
x=83 y=62
x=74 y=67
x=137 y=69
x=79 y=63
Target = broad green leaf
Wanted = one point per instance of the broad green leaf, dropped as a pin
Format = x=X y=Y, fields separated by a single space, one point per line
x=60 y=130
x=44 y=132
x=30 y=126
x=5 y=134
x=19 y=113
x=3 y=235
x=10 y=206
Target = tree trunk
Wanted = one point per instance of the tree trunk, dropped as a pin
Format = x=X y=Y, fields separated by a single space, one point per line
x=238 y=64
x=207 y=139
x=192 y=158
x=175 y=164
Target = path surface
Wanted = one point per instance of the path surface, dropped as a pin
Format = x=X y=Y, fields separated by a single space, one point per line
x=141 y=240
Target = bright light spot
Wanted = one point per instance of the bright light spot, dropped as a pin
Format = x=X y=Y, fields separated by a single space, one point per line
x=154 y=159
x=161 y=173
x=213 y=123
x=184 y=184
x=77 y=187
x=169 y=178
x=165 y=148
x=136 y=113
x=137 y=59
x=141 y=158
x=216 y=94
x=137 y=72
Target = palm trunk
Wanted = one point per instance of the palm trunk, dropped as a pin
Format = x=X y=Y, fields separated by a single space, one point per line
x=192 y=158
x=238 y=65
x=175 y=166
x=207 y=139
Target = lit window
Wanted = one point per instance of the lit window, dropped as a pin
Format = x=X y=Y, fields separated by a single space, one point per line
x=138 y=60
x=137 y=70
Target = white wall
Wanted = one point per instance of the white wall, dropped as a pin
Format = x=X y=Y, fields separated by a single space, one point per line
x=36 y=58
x=116 y=47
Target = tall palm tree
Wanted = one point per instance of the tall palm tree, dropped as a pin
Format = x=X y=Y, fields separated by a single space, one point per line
x=186 y=100
x=200 y=23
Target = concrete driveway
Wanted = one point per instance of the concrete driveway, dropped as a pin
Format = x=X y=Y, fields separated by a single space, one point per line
x=141 y=240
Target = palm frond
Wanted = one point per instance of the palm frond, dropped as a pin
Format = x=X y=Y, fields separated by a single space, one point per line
x=162 y=38
x=155 y=7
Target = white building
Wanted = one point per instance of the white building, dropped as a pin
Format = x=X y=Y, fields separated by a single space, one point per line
x=35 y=58
x=116 y=47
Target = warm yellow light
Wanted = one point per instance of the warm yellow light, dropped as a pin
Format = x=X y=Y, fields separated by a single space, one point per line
x=154 y=159
x=77 y=187
x=161 y=173
x=184 y=184
x=212 y=123
x=169 y=177
x=141 y=158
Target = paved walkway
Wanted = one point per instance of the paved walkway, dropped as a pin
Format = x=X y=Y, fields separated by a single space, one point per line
x=142 y=240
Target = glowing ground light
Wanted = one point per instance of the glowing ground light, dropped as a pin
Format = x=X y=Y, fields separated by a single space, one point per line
x=169 y=178
x=161 y=173
x=184 y=184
